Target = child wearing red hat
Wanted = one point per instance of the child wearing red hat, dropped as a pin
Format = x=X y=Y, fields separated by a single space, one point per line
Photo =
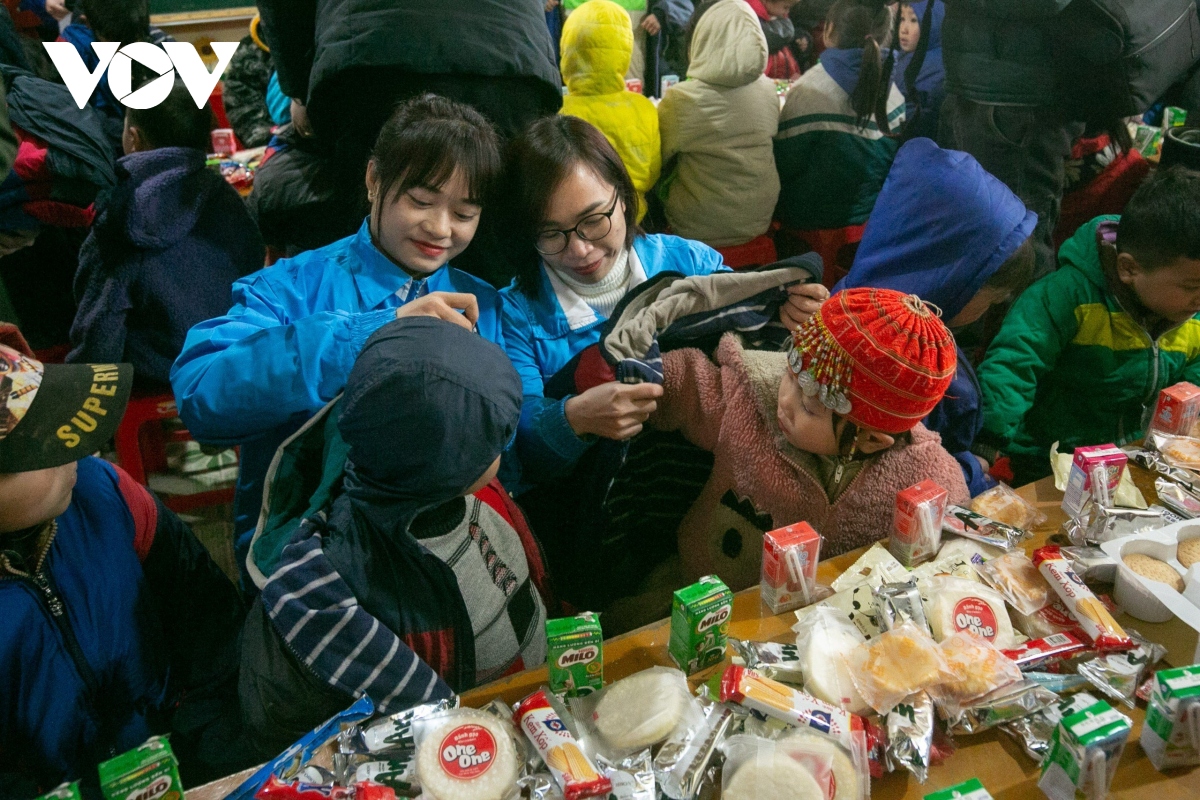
x=827 y=433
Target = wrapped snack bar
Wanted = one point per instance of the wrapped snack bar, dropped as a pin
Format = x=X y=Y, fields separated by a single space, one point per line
x=970 y=525
x=632 y=778
x=1087 y=609
x=1177 y=498
x=1084 y=751
x=1002 y=504
x=574 y=772
x=1102 y=523
x=910 y=727
x=1003 y=705
x=780 y=662
x=1037 y=653
x=1118 y=675
x=1171 y=735
x=683 y=760
x=1054 y=618
x=1033 y=732
x=897 y=603
x=916 y=529
x=1018 y=581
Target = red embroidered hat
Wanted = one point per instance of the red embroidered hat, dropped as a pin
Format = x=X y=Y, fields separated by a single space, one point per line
x=881 y=358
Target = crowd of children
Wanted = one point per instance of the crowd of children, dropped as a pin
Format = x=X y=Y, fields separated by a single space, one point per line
x=397 y=414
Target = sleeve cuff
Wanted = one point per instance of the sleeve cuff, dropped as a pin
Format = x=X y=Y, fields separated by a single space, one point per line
x=558 y=434
x=363 y=325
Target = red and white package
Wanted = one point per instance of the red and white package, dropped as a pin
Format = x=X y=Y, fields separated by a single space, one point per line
x=917 y=525
x=277 y=789
x=561 y=752
x=1038 y=652
x=789 y=567
x=1093 y=617
x=1177 y=410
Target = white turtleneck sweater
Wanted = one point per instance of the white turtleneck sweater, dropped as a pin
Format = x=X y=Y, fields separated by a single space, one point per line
x=603 y=295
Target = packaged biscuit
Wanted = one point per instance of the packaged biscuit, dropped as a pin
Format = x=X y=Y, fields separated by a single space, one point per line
x=1037 y=653
x=1118 y=675
x=636 y=712
x=957 y=605
x=896 y=603
x=762 y=769
x=391 y=734
x=975 y=526
x=825 y=641
x=778 y=661
x=1087 y=609
x=789 y=567
x=967 y=790
x=575 y=654
x=150 y=770
x=1034 y=731
x=974 y=668
x=574 y=772
x=917 y=528
x=896 y=664
x=700 y=624
x=1084 y=751
x=465 y=753
x=910 y=727
x=1018 y=581
x=1003 y=705
x=1171 y=735
x=1002 y=504
x=1095 y=474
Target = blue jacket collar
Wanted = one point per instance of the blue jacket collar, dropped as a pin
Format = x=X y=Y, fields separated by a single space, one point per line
x=375 y=275
x=843 y=65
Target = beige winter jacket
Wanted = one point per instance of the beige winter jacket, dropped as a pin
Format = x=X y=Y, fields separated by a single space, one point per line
x=720 y=123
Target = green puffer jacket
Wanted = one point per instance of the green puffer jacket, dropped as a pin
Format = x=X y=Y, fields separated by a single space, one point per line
x=999 y=51
x=1071 y=365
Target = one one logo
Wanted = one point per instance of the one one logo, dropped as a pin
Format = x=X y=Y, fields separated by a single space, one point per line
x=164 y=60
x=157 y=788
x=714 y=618
x=580 y=656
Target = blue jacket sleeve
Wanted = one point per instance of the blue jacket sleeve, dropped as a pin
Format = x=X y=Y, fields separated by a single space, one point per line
x=978 y=481
x=98 y=332
x=254 y=369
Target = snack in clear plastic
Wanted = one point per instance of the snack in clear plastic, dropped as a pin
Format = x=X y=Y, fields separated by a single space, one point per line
x=896 y=603
x=1036 y=653
x=1171 y=734
x=910 y=727
x=825 y=639
x=636 y=712
x=632 y=778
x=1003 y=705
x=1178 y=451
x=1054 y=618
x=775 y=660
x=574 y=772
x=968 y=524
x=1118 y=675
x=916 y=528
x=1084 y=751
x=846 y=783
x=974 y=668
x=1091 y=614
x=464 y=753
x=681 y=763
x=761 y=769
x=789 y=567
x=957 y=605
x=1018 y=581
x=1002 y=504
x=898 y=663
x=1177 y=498
x=873 y=568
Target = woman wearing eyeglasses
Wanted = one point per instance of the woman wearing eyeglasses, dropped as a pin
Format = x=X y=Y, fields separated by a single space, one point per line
x=572 y=198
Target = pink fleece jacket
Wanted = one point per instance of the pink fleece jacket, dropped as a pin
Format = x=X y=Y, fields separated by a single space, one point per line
x=758 y=483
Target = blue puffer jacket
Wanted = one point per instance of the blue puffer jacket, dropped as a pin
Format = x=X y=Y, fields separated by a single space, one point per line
x=543 y=333
x=285 y=349
x=146 y=619
x=942 y=227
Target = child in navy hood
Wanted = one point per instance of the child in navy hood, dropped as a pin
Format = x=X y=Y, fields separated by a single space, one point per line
x=165 y=249
x=924 y=100
x=947 y=231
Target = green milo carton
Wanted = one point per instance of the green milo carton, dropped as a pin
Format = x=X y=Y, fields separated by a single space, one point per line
x=1169 y=736
x=66 y=791
x=147 y=772
x=700 y=624
x=1084 y=751
x=575 y=654
x=967 y=790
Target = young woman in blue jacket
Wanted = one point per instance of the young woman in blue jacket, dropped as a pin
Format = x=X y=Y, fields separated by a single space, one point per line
x=287 y=346
x=573 y=200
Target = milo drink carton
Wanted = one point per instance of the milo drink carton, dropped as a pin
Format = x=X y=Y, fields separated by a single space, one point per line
x=148 y=772
x=700 y=624
x=1171 y=735
x=65 y=791
x=968 y=790
x=575 y=654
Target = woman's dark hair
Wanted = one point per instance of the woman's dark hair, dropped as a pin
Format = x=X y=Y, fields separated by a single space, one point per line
x=175 y=122
x=426 y=139
x=121 y=21
x=535 y=164
x=867 y=24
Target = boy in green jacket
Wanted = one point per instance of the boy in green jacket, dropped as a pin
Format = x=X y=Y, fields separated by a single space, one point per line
x=1085 y=351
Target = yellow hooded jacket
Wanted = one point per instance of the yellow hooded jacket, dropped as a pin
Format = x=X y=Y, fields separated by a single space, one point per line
x=597 y=43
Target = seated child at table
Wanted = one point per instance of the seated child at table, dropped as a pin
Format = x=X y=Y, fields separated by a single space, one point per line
x=165 y=249
x=827 y=433
x=145 y=639
x=833 y=150
x=947 y=231
x=1084 y=352
x=421 y=579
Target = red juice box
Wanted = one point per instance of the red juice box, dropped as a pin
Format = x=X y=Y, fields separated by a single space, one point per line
x=1177 y=409
x=223 y=142
x=1095 y=473
x=917 y=527
x=633 y=85
x=789 y=567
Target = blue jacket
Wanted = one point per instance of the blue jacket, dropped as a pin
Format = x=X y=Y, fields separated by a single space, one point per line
x=541 y=336
x=930 y=86
x=147 y=619
x=285 y=349
x=941 y=228
x=162 y=257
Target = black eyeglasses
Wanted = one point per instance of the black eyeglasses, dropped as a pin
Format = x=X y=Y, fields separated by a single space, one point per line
x=591 y=228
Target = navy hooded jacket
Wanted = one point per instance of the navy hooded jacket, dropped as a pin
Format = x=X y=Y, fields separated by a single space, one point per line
x=162 y=257
x=930 y=86
x=941 y=228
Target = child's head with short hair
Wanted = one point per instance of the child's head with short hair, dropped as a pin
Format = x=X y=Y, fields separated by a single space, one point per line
x=863 y=371
x=175 y=122
x=779 y=8
x=867 y=24
x=910 y=28
x=1158 y=244
x=121 y=21
x=432 y=168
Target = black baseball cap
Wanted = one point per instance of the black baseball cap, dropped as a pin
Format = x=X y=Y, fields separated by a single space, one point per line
x=53 y=414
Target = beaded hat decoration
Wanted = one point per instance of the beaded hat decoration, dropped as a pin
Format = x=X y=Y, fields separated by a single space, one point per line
x=881 y=358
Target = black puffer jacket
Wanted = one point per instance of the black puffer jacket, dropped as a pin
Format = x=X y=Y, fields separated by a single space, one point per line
x=999 y=51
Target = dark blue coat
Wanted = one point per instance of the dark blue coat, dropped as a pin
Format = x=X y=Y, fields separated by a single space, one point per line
x=162 y=257
x=941 y=228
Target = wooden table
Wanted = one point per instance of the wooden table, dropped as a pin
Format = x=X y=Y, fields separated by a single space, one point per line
x=999 y=762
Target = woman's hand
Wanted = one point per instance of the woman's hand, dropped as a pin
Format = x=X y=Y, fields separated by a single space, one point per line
x=300 y=119
x=57 y=9
x=613 y=410
x=803 y=301
x=459 y=308
x=651 y=25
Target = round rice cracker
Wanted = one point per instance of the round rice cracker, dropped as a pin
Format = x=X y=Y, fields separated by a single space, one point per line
x=845 y=776
x=640 y=710
x=1154 y=569
x=1188 y=552
x=469 y=756
x=772 y=777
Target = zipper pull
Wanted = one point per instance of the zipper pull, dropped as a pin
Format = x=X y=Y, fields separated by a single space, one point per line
x=43 y=585
x=837 y=472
